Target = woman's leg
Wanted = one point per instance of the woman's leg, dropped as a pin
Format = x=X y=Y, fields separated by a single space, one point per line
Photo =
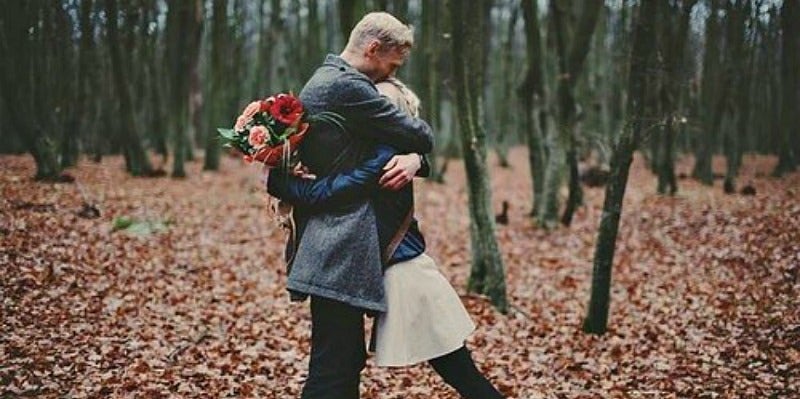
x=459 y=371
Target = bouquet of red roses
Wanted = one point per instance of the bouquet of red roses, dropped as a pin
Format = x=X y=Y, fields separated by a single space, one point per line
x=270 y=131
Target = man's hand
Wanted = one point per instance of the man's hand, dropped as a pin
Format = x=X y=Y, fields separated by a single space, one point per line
x=399 y=171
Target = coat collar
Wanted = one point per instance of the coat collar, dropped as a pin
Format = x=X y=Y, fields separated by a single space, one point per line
x=339 y=63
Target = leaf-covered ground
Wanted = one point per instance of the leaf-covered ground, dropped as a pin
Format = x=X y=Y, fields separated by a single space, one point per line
x=704 y=299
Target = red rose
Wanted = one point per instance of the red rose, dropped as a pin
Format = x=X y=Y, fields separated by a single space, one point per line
x=266 y=103
x=286 y=109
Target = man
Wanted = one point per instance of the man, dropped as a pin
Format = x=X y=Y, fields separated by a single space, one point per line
x=425 y=319
x=336 y=257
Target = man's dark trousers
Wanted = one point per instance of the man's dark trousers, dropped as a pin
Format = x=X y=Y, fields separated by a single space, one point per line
x=338 y=352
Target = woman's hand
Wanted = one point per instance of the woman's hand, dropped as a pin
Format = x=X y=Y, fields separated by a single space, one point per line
x=303 y=172
x=298 y=171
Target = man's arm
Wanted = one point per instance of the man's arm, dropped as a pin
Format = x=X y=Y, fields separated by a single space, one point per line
x=402 y=168
x=333 y=190
x=425 y=167
x=375 y=118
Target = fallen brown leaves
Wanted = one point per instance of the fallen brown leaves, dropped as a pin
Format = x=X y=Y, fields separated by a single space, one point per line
x=704 y=297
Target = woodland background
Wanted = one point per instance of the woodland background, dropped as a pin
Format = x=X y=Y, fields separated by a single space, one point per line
x=131 y=267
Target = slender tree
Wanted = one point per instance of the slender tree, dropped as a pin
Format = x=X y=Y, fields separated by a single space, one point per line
x=737 y=76
x=313 y=41
x=219 y=30
x=70 y=143
x=711 y=93
x=487 y=275
x=184 y=27
x=155 y=80
x=534 y=99
x=572 y=51
x=428 y=75
x=349 y=13
x=674 y=32
x=620 y=58
x=276 y=30
x=23 y=50
x=643 y=38
x=506 y=74
x=196 y=100
x=790 y=85
x=136 y=158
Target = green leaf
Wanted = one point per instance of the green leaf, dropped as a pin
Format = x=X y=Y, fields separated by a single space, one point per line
x=328 y=117
x=121 y=223
x=146 y=228
x=140 y=228
x=286 y=133
x=228 y=134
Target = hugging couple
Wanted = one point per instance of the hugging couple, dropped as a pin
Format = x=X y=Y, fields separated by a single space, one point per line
x=356 y=249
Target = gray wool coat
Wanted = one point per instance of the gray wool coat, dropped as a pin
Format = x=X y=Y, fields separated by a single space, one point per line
x=336 y=253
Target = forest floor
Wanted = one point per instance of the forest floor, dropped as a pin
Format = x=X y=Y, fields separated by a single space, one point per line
x=186 y=298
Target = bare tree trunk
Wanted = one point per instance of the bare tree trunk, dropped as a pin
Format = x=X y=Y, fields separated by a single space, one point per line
x=262 y=60
x=534 y=97
x=313 y=42
x=219 y=30
x=790 y=82
x=349 y=10
x=488 y=274
x=505 y=126
x=643 y=39
x=673 y=47
x=296 y=58
x=428 y=76
x=275 y=31
x=23 y=51
x=571 y=60
x=150 y=83
x=618 y=94
x=70 y=145
x=710 y=95
x=195 y=100
x=737 y=77
x=184 y=26
x=136 y=159
x=176 y=42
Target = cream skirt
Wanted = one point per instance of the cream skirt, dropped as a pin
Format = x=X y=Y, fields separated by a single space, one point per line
x=425 y=317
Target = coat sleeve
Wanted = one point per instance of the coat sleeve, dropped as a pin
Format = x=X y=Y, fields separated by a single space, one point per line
x=332 y=190
x=373 y=117
x=425 y=167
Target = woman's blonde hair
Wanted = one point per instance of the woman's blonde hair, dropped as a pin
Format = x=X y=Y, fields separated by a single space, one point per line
x=399 y=94
x=385 y=28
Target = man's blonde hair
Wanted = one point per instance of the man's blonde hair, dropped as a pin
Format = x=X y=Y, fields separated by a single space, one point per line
x=385 y=28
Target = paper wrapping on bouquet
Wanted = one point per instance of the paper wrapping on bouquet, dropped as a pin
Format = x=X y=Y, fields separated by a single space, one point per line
x=276 y=156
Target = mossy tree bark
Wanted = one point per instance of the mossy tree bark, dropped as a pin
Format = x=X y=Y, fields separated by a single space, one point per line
x=219 y=30
x=673 y=31
x=534 y=97
x=596 y=320
x=136 y=159
x=710 y=95
x=572 y=47
x=487 y=275
x=790 y=82
x=24 y=26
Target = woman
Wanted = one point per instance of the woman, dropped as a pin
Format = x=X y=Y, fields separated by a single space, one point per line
x=426 y=320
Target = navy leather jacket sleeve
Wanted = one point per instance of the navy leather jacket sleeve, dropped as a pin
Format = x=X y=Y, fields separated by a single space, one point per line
x=333 y=190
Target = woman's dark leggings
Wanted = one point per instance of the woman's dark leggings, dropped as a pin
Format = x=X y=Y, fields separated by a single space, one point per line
x=459 y=371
